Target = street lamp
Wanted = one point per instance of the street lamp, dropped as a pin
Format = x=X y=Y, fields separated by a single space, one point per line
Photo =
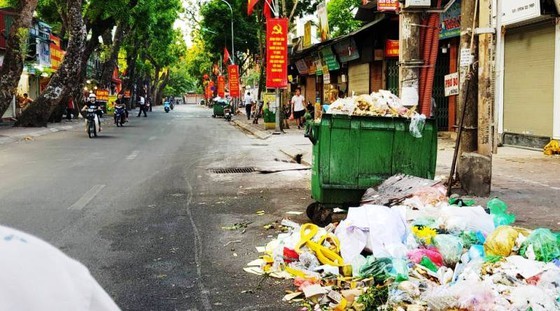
x=232 y=45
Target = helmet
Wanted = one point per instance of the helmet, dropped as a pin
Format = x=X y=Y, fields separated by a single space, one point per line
x=92 y=95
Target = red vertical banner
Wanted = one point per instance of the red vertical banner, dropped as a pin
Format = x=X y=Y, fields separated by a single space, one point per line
x=233 y=72
x=277 y=53
x=221 y=86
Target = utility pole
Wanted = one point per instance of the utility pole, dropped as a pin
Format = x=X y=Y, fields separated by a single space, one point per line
x=409 y=57
x=467 y=49
x=485 y=94
x=475 y=99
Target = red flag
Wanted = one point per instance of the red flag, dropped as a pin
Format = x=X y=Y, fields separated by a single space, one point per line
x=266 y=11
x=251 y=5
x=226 y=56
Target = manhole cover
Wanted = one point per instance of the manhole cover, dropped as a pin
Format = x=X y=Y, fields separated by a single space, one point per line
x=233 y=170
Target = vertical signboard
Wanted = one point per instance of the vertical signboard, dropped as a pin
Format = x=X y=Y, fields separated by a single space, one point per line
x=233 y=73
x=307 y=34
x=277 y=53
x=451 y=84
x=323 y=20
x=391 y=48
x=221 y=86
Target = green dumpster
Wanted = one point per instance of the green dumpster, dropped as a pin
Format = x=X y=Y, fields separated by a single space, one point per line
x=218 y=108
x=353 y=153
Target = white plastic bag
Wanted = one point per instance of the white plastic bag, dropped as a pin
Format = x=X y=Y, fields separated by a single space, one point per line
x=417 y=123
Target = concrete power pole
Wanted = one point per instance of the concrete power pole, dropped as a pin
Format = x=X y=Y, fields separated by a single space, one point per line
x=475 y=98
x=409 y=57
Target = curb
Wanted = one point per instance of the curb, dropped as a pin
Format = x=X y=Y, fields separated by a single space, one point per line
x=258 y=133
x=295 y=153
x=38 y=133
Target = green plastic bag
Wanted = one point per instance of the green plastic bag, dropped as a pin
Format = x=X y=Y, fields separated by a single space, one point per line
x=377 y=268
x=541 y=244
x=426 y=262
x=498 y=210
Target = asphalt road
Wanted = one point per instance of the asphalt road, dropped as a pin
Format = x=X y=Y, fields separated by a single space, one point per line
x=141 y=207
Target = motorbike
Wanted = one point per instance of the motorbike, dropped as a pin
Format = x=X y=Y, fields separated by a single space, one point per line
x=92 y=121
x=166 y=106
x=227 y=113
x=120 y=116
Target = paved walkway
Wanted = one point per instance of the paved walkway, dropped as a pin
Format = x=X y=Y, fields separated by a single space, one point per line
x=526 y=180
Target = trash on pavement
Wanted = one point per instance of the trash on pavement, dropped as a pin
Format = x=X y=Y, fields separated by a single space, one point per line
x=420 y=251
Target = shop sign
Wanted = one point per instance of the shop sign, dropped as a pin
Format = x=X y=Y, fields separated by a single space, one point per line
x=450 y=21
x=221 y=86
x=347 y=50
x=44 y=51
x=330 y=59
x=57 y=54
x=233 y=73
x=391 y=48
x=302 y=67
x=387 y=5
x=516 y=11
x=102 y=95
x=277 y=53
x=307 y=34
x=127 y=94
x=326 y=75
x=466 y=57
x=319 y=66
x=451 y=83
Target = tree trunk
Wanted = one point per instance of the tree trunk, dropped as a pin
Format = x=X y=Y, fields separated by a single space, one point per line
x=111 y=63
x=13 y=59
x=64 y=79
x=163 y=84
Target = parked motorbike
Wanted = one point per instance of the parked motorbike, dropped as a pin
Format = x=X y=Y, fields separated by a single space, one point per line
x=92 y=121
x=120 y=116
x=227 y=113
x=166 y=106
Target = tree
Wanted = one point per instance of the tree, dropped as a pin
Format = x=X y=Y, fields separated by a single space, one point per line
x=64 y=79
x=341 y=17
x=12 y=68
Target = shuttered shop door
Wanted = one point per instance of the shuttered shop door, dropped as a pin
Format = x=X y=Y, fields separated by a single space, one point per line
x=358 y=79
x=528 y=80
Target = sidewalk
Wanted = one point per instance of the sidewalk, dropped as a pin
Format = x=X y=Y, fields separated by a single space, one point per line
x=10 y=134
x=526 y=180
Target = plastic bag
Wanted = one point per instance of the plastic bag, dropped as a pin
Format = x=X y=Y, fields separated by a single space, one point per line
x=541 y=245
x=400 y=269
x=386 y=229
x=466 y=218
x=476 y=251
x=417 y=123
x=471 y=238
x=502 y=241
x=377 y=268
x=450 y=247
x=498 y=210
x=424 y=235
x=426 y=262
x=433 y=254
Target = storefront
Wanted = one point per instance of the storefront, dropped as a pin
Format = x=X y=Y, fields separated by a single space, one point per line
x=529 y=76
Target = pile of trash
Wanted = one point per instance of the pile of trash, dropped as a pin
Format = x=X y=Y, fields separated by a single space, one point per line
x=424 y=252
x=382 y=104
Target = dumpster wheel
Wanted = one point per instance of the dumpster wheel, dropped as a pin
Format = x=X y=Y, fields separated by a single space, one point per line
x=319 y=215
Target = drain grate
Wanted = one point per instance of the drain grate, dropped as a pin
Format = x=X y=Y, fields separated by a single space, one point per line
x=233 y=170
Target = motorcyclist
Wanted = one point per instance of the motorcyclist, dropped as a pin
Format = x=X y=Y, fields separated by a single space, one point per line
x=119 y=103
x=92 y=103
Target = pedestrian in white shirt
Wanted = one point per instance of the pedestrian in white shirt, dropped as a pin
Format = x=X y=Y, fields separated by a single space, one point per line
x=298 y=108
x=248 y=104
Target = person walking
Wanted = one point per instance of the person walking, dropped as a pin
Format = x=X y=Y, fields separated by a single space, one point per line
x=248 y=104
x=298 y=108
x=142 y=104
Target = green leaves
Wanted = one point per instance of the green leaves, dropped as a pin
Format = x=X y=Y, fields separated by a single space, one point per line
x=341 y=17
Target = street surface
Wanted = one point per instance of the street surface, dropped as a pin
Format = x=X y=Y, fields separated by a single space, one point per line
x=141 y=207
